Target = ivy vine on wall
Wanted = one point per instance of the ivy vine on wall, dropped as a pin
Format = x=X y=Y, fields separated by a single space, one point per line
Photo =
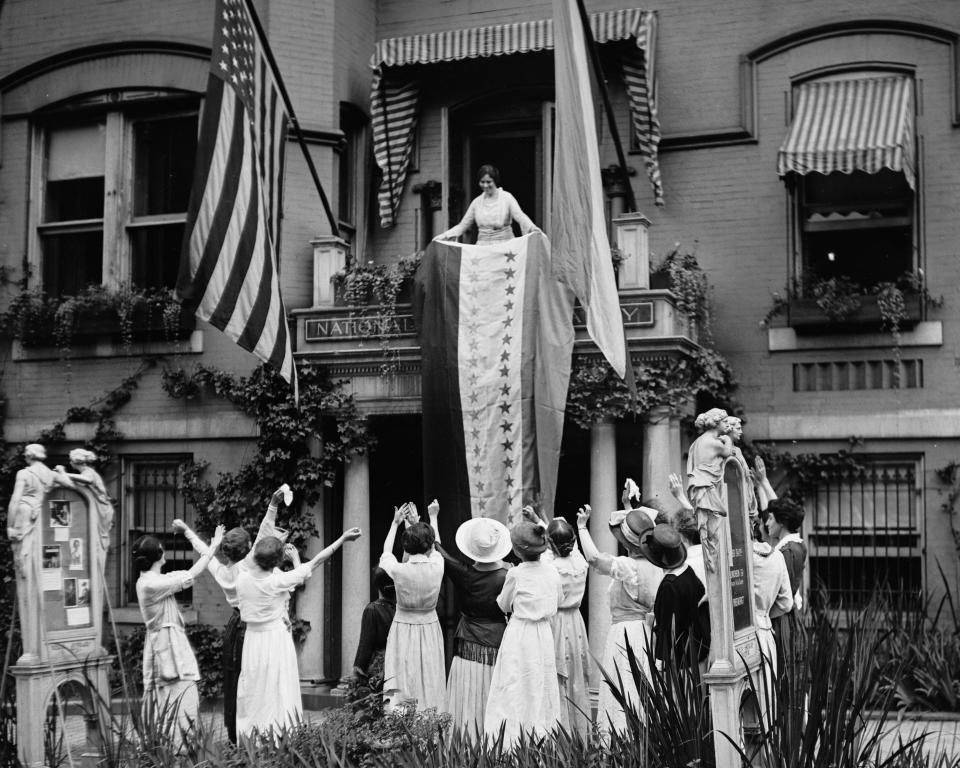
x=286 y=448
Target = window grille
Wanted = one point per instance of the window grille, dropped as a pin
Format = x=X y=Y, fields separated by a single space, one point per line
x=865 y=534
x=155 y=501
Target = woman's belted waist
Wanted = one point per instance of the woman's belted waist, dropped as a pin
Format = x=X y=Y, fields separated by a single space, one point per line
x=265 y=626
x=619 y=617
x=415 y=616
x=762 y=620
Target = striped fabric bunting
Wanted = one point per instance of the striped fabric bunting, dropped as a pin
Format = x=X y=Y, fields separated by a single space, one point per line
x=862 y=124
x=228 y=268
x=395 y=98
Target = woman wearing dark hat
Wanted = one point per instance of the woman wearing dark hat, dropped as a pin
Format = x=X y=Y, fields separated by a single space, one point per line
x=632 y=591
x=524 y=692
x=784 y=518
x=569 y=632
x=486 y=542
x=677 y=629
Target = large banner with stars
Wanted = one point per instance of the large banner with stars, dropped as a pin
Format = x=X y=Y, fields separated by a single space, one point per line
x=496 y=334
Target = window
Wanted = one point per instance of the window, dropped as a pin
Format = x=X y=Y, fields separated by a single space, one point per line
x=353 y=169
x=866 y=533
x=152 y=501
x=851 y=168
x=114 y=194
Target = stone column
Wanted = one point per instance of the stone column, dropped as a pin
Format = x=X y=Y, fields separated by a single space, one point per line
x=355 y=576
x=329 y=257
x=630 y=237
x=603 y=500
x=310 y=602
x=658 y=459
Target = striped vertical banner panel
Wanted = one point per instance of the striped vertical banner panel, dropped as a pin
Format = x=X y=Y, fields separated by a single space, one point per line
x=394 y=121
x=394 y=100
x=855 y=124
x=228 y=268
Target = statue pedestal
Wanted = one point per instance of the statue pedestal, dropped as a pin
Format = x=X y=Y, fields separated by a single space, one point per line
x=734 y=650
x=37 y=684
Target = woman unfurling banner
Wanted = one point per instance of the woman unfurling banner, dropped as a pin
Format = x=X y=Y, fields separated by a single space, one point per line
x=496 y=333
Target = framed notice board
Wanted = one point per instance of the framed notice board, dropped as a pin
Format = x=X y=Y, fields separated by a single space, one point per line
x=66 y=564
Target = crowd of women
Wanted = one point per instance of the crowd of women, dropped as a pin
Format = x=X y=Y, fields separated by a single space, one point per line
x=522 y=661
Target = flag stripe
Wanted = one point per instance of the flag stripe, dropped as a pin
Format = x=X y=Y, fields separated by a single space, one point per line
x=219 y=200
x=229 y=271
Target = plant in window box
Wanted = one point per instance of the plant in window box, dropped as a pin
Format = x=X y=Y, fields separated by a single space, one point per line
x=682 y=274
x=837 y=297
x=127 y=313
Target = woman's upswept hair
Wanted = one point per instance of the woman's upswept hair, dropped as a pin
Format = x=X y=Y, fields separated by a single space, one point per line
x=236 y=544
x=561 y=536
x=268 y=553
x=418 y=538
x=146 y=551
x=491 y=171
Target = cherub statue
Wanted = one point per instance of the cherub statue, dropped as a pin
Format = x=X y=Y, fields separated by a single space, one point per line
x=705 y=480
x=82 y=460
x=732 y=426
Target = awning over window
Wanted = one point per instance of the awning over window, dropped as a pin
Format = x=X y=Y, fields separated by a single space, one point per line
x=863 y=124
x=394 y=97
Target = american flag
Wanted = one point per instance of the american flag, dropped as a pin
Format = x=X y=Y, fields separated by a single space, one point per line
x=228 y=267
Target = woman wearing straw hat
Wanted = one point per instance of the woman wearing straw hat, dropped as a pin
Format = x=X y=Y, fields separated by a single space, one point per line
x=486 y=542
x=678 y=629
x=632 y=592
x=524 y=692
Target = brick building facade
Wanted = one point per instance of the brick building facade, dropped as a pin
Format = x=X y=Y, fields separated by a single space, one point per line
x=728 y=94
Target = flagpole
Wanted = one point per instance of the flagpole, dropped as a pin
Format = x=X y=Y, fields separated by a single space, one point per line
x=293 y=117
x=608 y=108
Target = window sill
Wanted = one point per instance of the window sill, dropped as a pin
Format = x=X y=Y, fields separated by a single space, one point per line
x=925 y=334
x=103 y=347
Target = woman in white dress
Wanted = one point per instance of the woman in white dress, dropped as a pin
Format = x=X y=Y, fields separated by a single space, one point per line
x=170 y=671
x=771 y=594
x=237 y=554
x=493 y=212
x=569 y=631
x=413 y=668
x=268 y=692
x=633 y=591
x=525 y=692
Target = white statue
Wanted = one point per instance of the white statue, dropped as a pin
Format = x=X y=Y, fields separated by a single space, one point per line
x=32 y=484
x=82 y=460
x=705 y=480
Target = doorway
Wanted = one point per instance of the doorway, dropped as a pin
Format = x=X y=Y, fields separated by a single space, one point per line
x=516 y=154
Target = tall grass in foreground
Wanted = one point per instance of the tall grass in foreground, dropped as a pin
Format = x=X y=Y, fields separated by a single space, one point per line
x=818 y=719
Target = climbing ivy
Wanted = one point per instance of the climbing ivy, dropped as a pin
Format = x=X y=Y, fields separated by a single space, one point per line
x=286 y=448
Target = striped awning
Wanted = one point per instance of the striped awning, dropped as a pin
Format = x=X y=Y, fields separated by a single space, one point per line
x=395 y=97
x=863 y=124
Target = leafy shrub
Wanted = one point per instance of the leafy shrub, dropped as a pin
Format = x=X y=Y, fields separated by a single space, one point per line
x=207 y=643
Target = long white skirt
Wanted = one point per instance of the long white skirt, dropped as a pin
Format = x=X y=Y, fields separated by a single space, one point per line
x=768 y=687
x=468 y=687
x=524 y=691
x=268 y=692
x=174 y=705
x=413 y=666
x=610 y=715
x=573 y=668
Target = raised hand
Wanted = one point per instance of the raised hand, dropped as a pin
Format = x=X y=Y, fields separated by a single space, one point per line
x=352 y=534
x=179 y=526
x=761 y=468
x=433 y=509
x=217 y=537
x=399 y=514
x=277 y=497
x=676 y=486
x=413 y=514
x=583 y=516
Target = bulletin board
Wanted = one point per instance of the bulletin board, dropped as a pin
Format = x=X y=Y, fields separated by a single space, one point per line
x=65 y=565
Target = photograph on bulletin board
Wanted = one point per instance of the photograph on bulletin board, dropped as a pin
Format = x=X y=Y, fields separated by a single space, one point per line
x=66 y=563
